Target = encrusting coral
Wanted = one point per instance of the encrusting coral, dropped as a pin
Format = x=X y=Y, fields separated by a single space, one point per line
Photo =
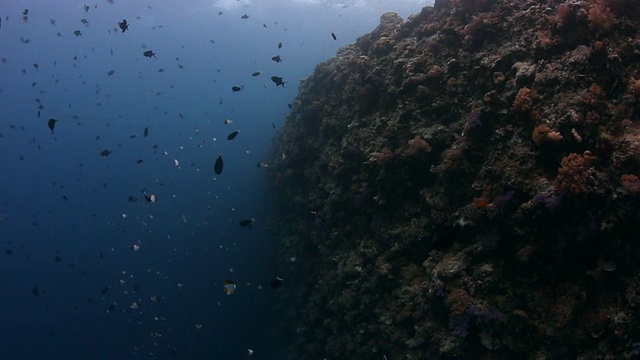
x=464 y=184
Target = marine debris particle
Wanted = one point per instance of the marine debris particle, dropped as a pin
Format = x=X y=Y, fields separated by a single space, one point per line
x=530 y=144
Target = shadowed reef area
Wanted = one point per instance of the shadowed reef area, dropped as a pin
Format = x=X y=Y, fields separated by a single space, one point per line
x=465 y=185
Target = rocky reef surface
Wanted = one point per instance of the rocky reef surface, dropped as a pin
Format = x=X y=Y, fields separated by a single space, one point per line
x=464 y=184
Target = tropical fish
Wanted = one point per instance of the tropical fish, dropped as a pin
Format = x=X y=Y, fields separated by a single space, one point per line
x=278 y=80
x=123 y=25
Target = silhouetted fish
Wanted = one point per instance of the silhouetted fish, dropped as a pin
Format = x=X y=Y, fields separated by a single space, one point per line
x=217 y=167
x=236 y=88
x=233 y=135
x=247 y=222
x=279 y=45
x=276 y=58
x=257 y=73
x=146 y=131
x=123 y=25
x=278 y=80
x=77 y=32
x=334 y=36
x=52 y=124
x=105 y=152
x=149 y=53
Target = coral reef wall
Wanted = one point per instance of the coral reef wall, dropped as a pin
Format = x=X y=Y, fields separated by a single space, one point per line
x=465 y=184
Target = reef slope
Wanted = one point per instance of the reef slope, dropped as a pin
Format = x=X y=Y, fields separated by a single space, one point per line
x=465 y=185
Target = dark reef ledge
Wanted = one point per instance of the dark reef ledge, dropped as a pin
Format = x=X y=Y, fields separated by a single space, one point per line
x=464 y=185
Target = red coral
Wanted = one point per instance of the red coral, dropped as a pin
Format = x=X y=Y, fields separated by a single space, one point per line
x=600 y=17
x=630 y=183
x=577 y=175
x=543 y=133
x=458 y=302
x=523 y=101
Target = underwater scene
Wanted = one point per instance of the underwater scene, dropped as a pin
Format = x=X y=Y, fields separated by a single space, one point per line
x=319 y=179
x=135 y=217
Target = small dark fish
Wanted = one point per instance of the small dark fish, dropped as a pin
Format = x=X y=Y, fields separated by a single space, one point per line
x=149 y=53
x=131 y=199
x=35 y=65
x=111 y=72
x=105 y=152
x=85 y=22
x=25 y=12
x=133 y=136
x=105 y=290
x=278 y=80
x=289 y=105
x=236 y=88
x=136 y=287
x=233 y=135
x=247 y=222
x=53 y=22
x=35 y=291
x=275 y=283
x=52 y=124
x=161 y=70
x=77 y=32
x=86 y=7
x=257 y=73
x=139 y=161
x=279 y=45
x=245 y=16
x=146 y=132
x=113 y=307
x=276 y=58
x=334 y=36
x=217 y=167
x=123 y=25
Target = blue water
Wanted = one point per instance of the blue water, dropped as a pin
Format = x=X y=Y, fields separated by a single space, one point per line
x=66 y=225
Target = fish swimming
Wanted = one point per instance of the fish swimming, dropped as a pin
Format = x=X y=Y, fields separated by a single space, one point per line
x=275 y=283
x=77 y=33
x=111 y=72
x=150 y=198
x=334 y=36
x=146 y=132
x=257 y=73
x=52 y=124
x=236 y=88
x=279 y=45
x=233 y=135
x=105 y=152
x=149 y=54
x=229 y=287
x=217 y=167
x=246 y=222
x=123 y=25
x=228 y=121
x=278 y=80
x=277 y=59
x=245 y=16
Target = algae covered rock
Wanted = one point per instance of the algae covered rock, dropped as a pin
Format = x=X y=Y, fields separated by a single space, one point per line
x=458 y=185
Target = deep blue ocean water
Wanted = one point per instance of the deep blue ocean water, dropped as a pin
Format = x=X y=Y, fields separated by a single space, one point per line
x=72 y=287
